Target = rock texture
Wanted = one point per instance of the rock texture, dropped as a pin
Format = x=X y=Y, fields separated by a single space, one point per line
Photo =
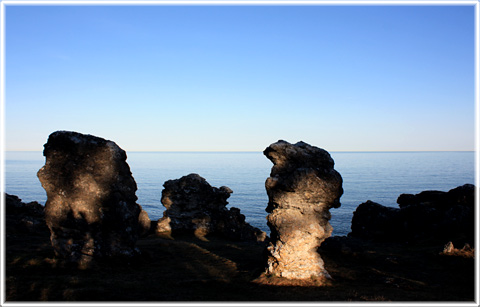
x=427 y=216
x=23 y=217
x=302 y=188
x=193 y=205
x=91 y=207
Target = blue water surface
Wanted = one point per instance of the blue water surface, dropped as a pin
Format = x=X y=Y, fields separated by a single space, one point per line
x=376 y=176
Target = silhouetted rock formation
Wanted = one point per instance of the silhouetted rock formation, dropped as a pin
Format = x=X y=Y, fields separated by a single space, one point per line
x=24 y=217
x=427 y=216
x=193 y=205
x=91 y=208
x=302 y=188
x=372 y=220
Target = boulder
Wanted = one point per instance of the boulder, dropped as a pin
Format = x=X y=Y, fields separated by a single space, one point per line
x=91 y=207
x=194 y=206
x=24 y=217
x=429 y=216
x=302 y=187
x=372 y=220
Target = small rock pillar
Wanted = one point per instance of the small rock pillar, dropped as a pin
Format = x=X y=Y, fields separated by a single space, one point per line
x=193 y=205
x=302 y=188
x=91 y=207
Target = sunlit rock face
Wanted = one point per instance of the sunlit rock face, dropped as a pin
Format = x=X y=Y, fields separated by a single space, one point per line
x=194 y=206
x=91 y=207
x=302 y=188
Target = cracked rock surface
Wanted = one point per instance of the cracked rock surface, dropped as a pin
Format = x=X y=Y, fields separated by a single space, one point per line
x=193 y=205
x=302 y=188
x=91 y=207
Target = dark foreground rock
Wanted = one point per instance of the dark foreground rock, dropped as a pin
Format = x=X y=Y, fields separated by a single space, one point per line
x=302 y=188
x=24 y=217
x=91 y=207
x=188 y=269
x=434 y=216
x=193 y=205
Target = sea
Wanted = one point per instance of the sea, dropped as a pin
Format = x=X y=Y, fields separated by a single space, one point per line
x=377 y=176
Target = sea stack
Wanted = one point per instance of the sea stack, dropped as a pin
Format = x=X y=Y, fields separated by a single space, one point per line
x=91 y=207
x=302 y=188
x=194 y=206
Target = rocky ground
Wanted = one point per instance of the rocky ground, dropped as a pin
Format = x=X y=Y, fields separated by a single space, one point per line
x=101 y=246
x=189 y=269
x=371 y=264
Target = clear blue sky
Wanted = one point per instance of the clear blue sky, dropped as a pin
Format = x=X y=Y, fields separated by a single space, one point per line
x=238 y=78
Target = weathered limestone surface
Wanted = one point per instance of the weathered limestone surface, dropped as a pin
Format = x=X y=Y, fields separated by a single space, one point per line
x=91 y=207
x=193 y=205
x=302 y=188
x=433 y=216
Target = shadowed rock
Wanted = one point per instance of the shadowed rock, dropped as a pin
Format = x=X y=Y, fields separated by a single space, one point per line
x=433 y=216
x=193 y=205
x=91 y=207
x=24 y=217
x=302 y=188
x=372 y=220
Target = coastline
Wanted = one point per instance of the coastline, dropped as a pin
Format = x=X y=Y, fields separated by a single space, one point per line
x=185 y=268
x=373 y=176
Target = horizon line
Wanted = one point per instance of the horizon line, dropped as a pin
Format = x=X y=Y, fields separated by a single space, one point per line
x=257 y=151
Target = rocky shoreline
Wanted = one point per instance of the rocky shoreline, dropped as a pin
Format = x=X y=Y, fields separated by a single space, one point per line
x=92 y=228
x=186 y=268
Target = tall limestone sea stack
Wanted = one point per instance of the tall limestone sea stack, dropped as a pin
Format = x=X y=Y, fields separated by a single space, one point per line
x=91 y=207
x=302 y=188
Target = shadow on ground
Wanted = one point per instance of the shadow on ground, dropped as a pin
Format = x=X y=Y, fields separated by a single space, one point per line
x=188 y=269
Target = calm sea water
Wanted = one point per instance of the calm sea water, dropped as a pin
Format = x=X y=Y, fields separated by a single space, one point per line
x=376 y=176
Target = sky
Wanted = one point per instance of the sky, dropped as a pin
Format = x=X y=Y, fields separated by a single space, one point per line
x=238 y=78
